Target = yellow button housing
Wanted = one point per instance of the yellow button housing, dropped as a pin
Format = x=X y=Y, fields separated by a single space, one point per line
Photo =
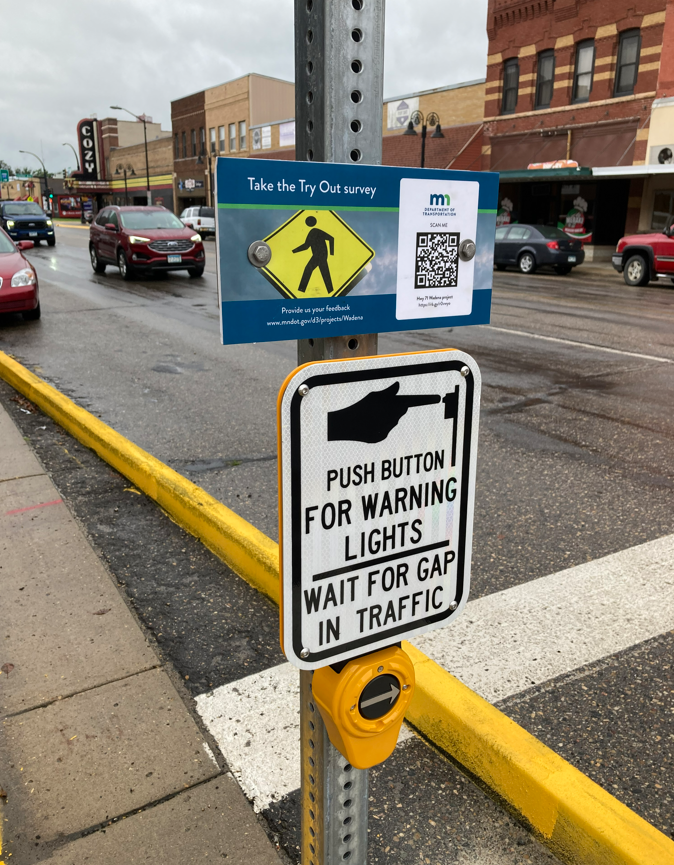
x=365 y=741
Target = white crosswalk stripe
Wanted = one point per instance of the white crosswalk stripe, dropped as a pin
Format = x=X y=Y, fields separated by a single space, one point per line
x=503 y=644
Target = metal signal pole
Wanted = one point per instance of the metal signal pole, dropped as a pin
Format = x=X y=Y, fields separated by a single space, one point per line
x=339 y=74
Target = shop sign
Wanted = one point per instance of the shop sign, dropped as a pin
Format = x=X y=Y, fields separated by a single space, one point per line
x=189 y=184
x=398 y=113
x=286 y=132
x=504 y=213
x=87 y=131
x=574 y=224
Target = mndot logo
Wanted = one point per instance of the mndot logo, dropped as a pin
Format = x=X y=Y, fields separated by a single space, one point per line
x=441 y=200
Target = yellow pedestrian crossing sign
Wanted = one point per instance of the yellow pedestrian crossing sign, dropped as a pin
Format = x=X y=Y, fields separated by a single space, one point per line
x=316 y=254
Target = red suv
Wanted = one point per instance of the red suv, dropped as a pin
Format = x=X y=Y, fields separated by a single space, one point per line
x=642 y=257
x=142 y=240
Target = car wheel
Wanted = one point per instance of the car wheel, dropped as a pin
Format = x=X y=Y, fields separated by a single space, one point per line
x=125 y=269
x=500 y=267
x=562 y=270
x=32 y=314
x=97 y=265
x=51 y=241
x=636 y=271
x=526 y=263
x=194 y=272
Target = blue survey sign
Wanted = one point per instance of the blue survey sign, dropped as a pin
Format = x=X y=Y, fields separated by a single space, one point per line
x=308 y=250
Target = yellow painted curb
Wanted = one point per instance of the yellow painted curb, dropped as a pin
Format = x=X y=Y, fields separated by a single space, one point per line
x=248 y=552
x=577 y=819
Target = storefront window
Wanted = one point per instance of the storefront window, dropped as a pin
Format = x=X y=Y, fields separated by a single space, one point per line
x=582 y=80
x=663 y=210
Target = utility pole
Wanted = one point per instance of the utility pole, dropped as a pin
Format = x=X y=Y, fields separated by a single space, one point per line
x=339 y=65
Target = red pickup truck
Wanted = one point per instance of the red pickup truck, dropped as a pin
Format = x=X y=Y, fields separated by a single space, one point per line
x=642 y=257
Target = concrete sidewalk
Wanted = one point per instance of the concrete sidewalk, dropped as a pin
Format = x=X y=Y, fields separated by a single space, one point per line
x=100 y=759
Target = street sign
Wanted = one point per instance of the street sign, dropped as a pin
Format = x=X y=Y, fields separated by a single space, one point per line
x=347 y=249
x=377 y=490
x=303 y=261
x=4 y=175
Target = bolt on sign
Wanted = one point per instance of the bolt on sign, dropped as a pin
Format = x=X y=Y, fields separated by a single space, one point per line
x=377 y=461
x=311 y=250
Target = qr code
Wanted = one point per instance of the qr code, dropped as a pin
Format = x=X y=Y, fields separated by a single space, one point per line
x=437 y=260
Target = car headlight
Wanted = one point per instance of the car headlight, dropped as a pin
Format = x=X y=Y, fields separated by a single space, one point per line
x=136 y=239
x=195 y=238
x=49 y=222
x=23 y=277
x=10 y=223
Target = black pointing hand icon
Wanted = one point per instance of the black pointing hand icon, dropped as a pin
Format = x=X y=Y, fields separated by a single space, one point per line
x=373 y=417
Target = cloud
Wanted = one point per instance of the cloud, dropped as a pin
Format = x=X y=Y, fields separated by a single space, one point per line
x=89 y=56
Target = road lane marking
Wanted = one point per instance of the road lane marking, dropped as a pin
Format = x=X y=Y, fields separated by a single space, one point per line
x=512 y=640
x=577 y=343
x=503 y=644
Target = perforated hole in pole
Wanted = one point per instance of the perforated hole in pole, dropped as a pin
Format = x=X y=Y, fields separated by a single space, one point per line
x=356 y=126
x=355 y=155
x=357 y=4
x=356 y=66
x=357 y=35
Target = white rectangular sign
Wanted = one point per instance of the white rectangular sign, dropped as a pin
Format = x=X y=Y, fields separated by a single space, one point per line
x=436 y=217
x=377 y=493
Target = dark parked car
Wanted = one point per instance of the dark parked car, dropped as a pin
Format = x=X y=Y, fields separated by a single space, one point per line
x=144 y=240
x=26 y=220
x=531 y=246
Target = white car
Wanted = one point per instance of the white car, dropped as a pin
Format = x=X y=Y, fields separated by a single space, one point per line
x=201 y=219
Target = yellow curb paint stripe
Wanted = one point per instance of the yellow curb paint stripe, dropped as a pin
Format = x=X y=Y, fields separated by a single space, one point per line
x=247 y=551
x=576 y=818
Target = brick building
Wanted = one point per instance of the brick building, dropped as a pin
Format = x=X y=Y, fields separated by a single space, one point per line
x=230 y=119
x=188 y=125
x=577 y=80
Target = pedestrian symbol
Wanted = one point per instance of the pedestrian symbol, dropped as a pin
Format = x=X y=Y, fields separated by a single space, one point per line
x=316 y=254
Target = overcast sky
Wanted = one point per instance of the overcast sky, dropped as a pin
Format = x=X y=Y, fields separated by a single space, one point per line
x=66 y=60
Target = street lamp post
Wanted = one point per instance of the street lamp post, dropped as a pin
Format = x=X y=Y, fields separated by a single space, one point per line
x=132 y=173
x=140 y=117
x=65 y=144
x=432 y=120
x=44 y=170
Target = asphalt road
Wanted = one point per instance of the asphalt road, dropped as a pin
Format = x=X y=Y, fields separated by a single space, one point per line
x=575 y=463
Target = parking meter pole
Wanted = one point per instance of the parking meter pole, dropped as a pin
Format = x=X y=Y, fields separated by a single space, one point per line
x=339 y=84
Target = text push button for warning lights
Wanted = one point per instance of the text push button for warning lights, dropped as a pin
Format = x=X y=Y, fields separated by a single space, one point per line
x=377 y=492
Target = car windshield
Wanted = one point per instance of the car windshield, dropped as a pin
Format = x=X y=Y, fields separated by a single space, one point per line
x=208 y=212
x=149 y=220
x=28 y=209
x=551 y=232
x=6 y=244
